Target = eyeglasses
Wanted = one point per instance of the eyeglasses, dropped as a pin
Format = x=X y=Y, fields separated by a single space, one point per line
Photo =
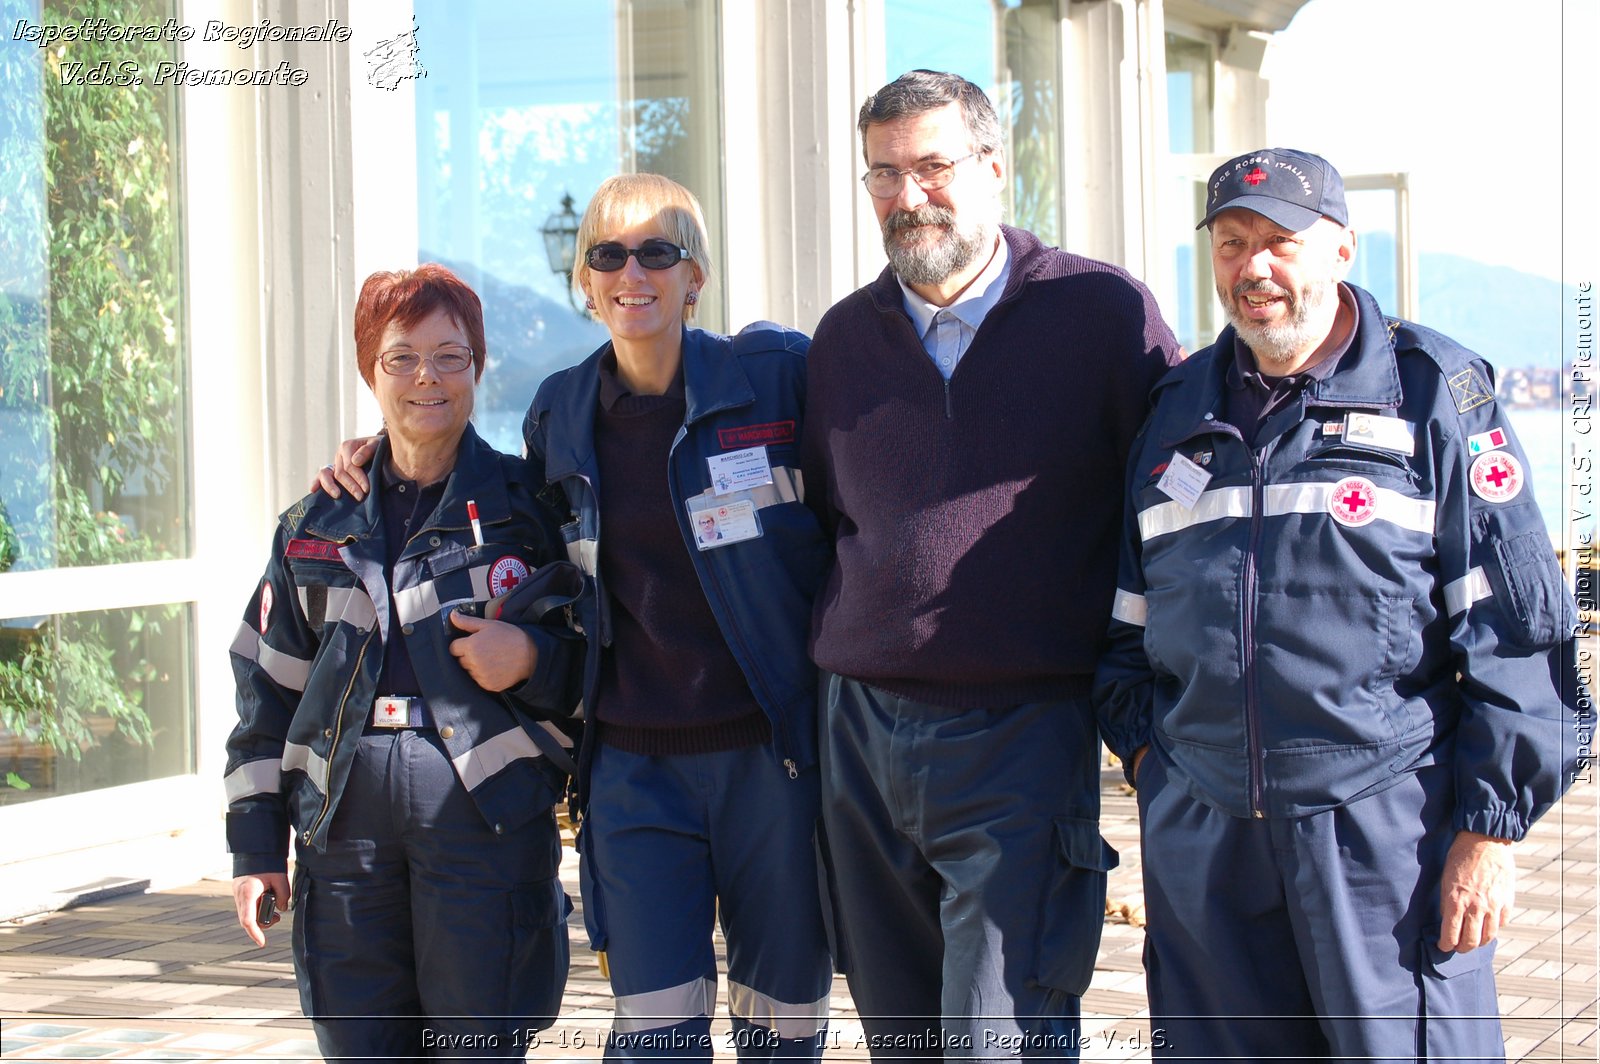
x=402 y=362
x=885 y=182
x=611 y=256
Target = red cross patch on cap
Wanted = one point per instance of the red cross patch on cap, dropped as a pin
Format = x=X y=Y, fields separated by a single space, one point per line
x=1497 y=476
x=1353 y=502
x=506 y=574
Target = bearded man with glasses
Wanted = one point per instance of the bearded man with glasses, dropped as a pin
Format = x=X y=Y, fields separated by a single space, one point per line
x=969 y=415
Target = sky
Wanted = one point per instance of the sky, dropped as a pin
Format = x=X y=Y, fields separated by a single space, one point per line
x=1492 y=106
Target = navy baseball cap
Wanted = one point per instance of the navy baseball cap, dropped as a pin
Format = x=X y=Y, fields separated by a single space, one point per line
x=1292 y=188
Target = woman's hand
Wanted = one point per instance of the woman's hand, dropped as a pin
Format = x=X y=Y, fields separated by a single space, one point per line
x=497 y=655
x=247 y=891
x=346 y=472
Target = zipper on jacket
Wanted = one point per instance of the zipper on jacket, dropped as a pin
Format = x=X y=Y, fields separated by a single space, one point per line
x=338 y=730
x=1252 y=707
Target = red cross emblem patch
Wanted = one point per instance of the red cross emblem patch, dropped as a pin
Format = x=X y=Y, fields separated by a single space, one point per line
x=1497 y=476
x=1353 y=501
x=266 y=606
x=506 y=574
x=1255 y=177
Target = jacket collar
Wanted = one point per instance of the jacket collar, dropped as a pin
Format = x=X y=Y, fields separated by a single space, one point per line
x=1367 y=375
x=1026 y=252
x=476 y=476
x=713 y=380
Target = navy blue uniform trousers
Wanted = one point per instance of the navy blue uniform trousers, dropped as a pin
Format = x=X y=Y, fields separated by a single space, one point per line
x=419 y=932
x=969 y=870
x=669 y=841
x=1308 y=938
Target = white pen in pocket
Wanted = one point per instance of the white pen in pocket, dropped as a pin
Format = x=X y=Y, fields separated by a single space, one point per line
x=472 y=515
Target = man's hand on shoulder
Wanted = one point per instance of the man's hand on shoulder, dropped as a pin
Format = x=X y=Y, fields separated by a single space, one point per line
x=1476 y=892
x=346 y=472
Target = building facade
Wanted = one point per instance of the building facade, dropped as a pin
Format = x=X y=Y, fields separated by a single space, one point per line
x=202 y=186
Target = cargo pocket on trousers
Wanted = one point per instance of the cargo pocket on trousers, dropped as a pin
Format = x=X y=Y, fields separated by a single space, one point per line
x=540 y=958
x=1074 y=906
x=1459 y=1016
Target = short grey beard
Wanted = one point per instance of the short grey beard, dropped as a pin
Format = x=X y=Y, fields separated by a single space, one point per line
x=951 y=253
x=1285 y=342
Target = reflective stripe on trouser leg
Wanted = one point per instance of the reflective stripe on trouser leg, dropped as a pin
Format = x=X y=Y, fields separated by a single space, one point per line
x=666 y=838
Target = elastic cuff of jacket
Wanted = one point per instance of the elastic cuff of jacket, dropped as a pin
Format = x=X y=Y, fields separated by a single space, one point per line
x=528 y=691
x=1501 y=824
x=260 y=864
x=259 y=831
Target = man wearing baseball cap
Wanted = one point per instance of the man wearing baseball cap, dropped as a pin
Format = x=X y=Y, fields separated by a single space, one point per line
x=1341 y=660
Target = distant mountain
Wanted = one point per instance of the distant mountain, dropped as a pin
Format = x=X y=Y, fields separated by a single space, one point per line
x=1507 y=316
x=530 y=336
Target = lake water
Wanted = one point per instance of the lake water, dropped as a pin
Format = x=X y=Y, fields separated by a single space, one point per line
x=1547 y=436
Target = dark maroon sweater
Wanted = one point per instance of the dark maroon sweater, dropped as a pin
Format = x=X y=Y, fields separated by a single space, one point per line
x=668 y=682
x=977 y=520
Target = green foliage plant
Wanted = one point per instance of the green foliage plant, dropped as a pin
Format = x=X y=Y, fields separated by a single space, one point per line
x=91 y=367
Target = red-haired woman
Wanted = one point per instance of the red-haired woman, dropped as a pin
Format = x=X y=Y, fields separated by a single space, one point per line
x=408 y=747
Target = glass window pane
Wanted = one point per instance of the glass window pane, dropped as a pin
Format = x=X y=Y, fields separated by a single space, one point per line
x=1189 y=95
x=517 y=113
x=1372 y=216
x=1010 y=49
x=92 y=700
x=92 y=442
x=1198 y=318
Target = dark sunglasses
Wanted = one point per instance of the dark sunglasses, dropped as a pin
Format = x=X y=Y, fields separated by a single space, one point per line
x=652 y=255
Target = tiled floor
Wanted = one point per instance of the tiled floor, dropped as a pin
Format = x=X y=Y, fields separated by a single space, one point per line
x=168 y=975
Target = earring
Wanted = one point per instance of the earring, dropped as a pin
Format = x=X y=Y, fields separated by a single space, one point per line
x=589 y=303
x=692 y=298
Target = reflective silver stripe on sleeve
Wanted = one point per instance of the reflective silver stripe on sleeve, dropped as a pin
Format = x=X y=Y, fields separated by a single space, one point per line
x=1129 y=608
x=480 y=582
x=245 y=642
x=285 y=669
x=254 y=777
x=308 y=761
x=493 y=754
x=1214 y=505
x=582 y=553
x=803 y=1020
x=416 y=603
x=1474 y=587
x=352 y=605
x=663 y=1008
x=1415 y=515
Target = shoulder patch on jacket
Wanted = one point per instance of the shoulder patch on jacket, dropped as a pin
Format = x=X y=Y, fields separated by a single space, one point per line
x=320 y=549
x=1470 y=378
x=1468 y=389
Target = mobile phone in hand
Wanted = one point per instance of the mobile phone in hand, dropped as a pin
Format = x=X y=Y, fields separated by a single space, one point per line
x=267 y=908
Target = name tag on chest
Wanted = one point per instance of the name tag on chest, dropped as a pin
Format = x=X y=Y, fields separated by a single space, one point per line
x=719 y=521
x=1385 y=433
x=739 y=470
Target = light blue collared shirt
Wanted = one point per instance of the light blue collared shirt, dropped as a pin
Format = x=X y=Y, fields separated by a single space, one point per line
x=947 y=332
